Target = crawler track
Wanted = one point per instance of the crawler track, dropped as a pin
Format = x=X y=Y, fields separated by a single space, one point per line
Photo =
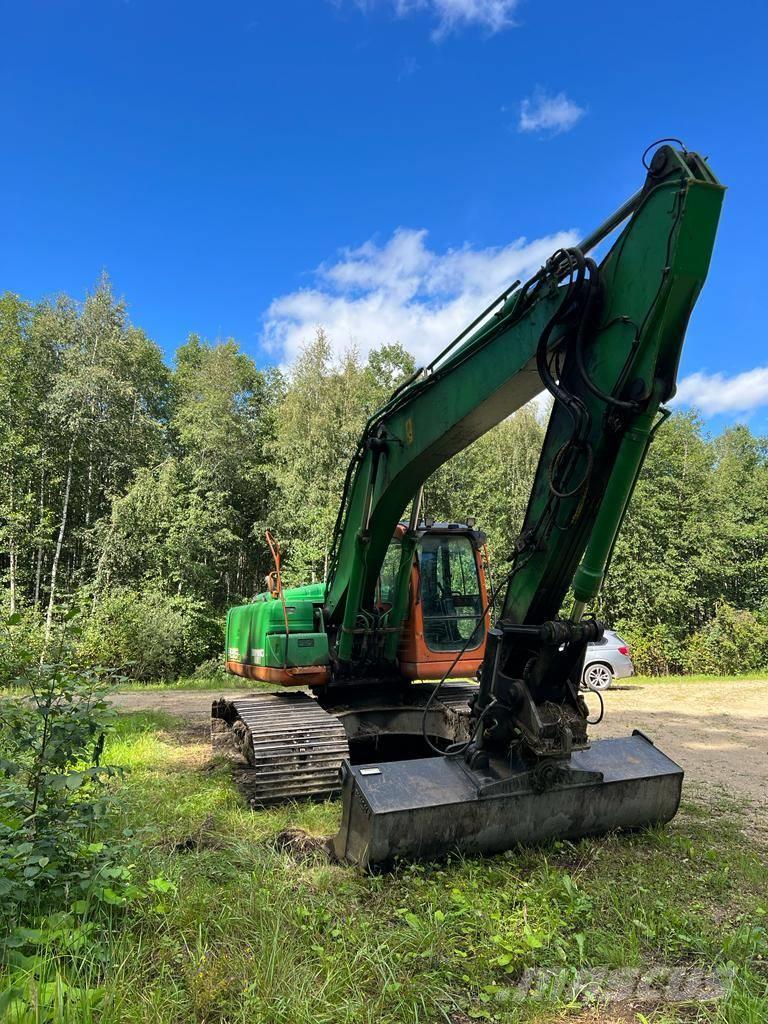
x=294 y=747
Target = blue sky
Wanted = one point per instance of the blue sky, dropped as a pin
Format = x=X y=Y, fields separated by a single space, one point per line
x=251 y=169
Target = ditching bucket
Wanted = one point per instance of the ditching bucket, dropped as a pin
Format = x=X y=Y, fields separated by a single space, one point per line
x=429 y=808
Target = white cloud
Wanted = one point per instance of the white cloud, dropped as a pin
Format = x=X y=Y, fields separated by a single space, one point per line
x=492 y=15
x=550 y=115
x=715 y=393
x=401 y=291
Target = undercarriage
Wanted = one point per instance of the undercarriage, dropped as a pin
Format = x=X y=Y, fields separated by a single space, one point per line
x=291 y=745
x=402 y=799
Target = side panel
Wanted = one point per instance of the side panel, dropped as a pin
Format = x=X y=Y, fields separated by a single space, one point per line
x=257 y=646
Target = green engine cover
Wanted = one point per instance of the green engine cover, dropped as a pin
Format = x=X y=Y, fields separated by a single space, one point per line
x=256 y=632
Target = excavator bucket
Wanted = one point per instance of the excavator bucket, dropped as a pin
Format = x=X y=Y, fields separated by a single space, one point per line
x=429 y=808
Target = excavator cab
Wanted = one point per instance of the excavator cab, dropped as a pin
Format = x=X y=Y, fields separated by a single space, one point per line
x=447 y=595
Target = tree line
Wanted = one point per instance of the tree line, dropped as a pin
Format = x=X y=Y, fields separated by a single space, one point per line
x=139 y=492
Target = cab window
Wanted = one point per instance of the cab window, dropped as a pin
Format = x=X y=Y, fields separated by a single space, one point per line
x=450 y=593
x=388 y=576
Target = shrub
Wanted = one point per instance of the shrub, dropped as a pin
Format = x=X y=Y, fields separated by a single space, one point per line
x=64 y=874
x=149 y=635
x=54 y=795
x=23 y=639
x=213 y=668
x=733 y=641
x=655 y=650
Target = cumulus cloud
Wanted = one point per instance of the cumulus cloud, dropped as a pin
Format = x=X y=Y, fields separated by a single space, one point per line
x=716 y=393
x=451 y=15
x=549 y=114
x=401 y=290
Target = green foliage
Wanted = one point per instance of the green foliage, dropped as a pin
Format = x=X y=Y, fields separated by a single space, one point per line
x=733 y=641
x=192 y=523
x=150 y=634
x=64 y=863
x=120 y=474
x=22 y=643
x=54 y=796
x=695 y=535
x=317 y=425
x=662 y=568
x=656 y=650
x=491 y=480
x=253 y=931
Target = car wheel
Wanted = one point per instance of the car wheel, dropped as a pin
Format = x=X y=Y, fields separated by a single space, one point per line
x=598 y=676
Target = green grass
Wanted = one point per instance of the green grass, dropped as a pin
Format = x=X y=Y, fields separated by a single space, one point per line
x=250 y=934
x=695 y=678
x=214 y=682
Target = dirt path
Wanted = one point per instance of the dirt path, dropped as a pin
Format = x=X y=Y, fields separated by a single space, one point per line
x=718 y=732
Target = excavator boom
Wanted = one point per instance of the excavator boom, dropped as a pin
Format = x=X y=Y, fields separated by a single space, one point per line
x=605 y=341
x=610 y=337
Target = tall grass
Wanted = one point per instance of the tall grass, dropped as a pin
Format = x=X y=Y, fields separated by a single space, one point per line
x=250 y=934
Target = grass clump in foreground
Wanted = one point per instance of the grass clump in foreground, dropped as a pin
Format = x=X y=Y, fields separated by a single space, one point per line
x=231 y=929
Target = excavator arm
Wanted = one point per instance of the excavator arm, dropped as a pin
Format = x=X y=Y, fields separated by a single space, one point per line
x=605 y=341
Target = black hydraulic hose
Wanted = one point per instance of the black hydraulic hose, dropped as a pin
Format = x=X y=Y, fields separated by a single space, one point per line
x=617 y=403
x=451 y=752
x=659 y=142
x=601 y=713
x=460 y=748
x=575 y=408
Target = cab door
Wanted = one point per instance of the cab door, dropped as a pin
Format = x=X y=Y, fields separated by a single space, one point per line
x=448 y=595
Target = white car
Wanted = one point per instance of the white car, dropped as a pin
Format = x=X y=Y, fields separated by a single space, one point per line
x=606 y=660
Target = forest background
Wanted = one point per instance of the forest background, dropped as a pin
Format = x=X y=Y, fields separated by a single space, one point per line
x=139 y=492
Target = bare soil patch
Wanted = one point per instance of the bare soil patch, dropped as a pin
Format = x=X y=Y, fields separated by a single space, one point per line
x=194 y=706
x=716 y=731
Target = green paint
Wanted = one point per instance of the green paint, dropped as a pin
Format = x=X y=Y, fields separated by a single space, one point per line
x=256 y=632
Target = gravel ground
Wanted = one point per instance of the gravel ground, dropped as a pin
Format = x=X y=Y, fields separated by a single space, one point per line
x=717 y=731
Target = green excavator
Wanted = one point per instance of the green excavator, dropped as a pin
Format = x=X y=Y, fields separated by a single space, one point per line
x=363 y=662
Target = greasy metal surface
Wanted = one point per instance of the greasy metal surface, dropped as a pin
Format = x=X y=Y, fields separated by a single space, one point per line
x=403 y=714
x=432 y=807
